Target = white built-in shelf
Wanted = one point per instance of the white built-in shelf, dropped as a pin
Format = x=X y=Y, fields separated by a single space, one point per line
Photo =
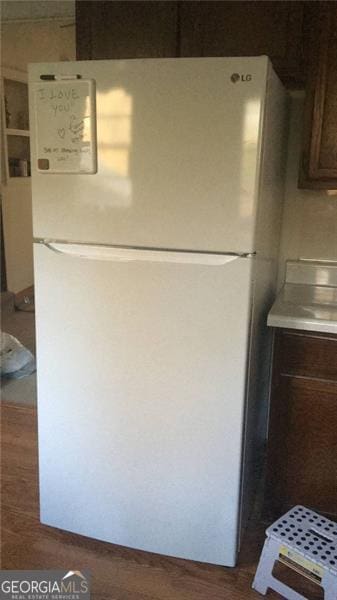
x=15 y=143
x=24 y=132
x=18 y=179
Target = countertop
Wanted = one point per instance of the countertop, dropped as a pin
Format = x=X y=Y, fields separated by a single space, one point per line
x=303 y=302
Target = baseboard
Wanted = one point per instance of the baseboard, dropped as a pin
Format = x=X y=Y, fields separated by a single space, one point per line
x=24 y=296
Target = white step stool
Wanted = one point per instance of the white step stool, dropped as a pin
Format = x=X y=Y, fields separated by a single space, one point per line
x=305 y=542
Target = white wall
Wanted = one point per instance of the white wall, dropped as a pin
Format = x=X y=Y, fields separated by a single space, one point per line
x=22 y=43
x=309 y=227
x=39 y=41
x=36 y=9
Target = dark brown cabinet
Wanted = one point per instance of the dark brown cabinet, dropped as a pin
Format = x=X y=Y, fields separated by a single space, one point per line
x=126 y=29
x=167 y=29
x=319 y=161
x=246 y=29
x=302 y=441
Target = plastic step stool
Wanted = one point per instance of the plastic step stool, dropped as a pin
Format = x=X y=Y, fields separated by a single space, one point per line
x=306 y=542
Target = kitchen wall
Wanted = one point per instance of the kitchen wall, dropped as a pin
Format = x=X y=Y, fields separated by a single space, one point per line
x=24 y=42
x=309 y=227
x=39 y=41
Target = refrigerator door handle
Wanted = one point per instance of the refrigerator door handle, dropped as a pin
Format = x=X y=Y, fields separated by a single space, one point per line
x=127 y=254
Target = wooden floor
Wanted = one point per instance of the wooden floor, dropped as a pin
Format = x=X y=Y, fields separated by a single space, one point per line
x=117 y=573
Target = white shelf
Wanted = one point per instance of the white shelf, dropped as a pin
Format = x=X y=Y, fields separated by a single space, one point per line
x=14 y=112
x=17 y=179
x=22 y=132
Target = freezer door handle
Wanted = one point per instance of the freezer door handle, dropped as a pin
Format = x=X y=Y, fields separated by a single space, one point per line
x=127 y=254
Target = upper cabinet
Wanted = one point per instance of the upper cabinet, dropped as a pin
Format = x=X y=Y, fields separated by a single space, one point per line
x=126 y=29
x=246 y=29
x=299 y=37
x=319 y=160
x=169 y=29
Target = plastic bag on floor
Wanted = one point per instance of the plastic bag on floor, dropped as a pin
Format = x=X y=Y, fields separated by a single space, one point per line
x=16 y=361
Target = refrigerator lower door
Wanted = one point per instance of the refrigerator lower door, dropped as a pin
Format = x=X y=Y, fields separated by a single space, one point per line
x=141 y=397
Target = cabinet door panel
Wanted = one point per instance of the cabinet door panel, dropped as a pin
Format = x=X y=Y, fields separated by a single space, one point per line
x=246 y=29
x=324 y=159
x=302 y=462
x=126 y=29
x=307 y=355
x=319 y=161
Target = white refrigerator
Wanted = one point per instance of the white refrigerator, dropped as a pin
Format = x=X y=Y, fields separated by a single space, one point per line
x=157 y=194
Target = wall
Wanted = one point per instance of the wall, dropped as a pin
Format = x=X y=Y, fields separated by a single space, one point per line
x=40 y=41
x=309 y=226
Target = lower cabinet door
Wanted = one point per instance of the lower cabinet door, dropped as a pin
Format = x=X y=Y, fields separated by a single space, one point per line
x=302 y=456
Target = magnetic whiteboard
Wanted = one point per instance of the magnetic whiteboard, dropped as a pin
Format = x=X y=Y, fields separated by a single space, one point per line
x=65 y=117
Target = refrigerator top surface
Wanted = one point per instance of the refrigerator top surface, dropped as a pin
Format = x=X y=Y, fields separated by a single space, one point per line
x=178 y=152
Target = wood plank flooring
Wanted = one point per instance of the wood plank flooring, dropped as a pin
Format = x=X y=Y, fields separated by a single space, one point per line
x=117 y=573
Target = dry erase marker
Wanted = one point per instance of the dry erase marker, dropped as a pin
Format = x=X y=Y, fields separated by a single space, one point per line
x=59 y=77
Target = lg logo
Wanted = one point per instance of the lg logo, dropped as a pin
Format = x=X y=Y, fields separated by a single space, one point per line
x=235 y=77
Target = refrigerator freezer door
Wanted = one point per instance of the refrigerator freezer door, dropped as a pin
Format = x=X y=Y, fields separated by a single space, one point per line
x=178 y=146
x=141 y=387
